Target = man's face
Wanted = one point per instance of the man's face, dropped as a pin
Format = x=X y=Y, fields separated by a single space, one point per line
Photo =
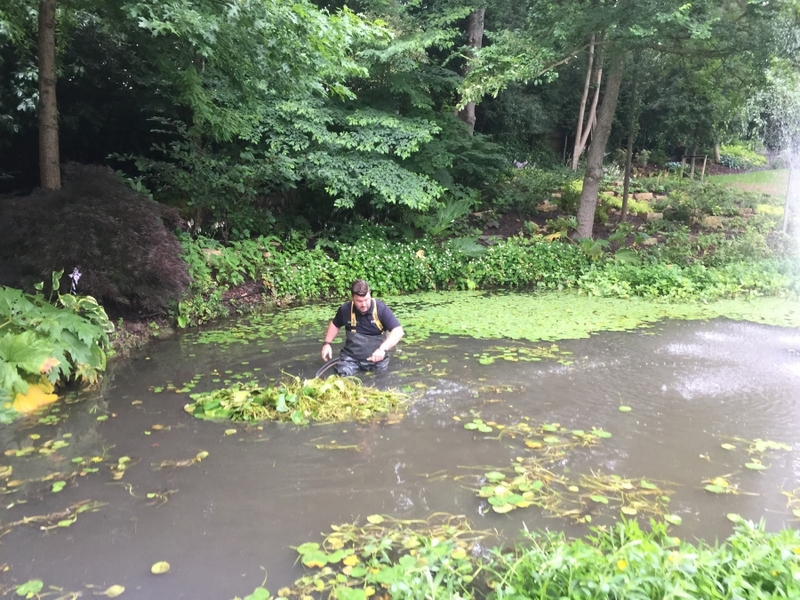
x=362 y=303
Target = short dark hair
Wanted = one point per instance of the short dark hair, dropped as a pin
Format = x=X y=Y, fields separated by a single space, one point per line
x=359 y=288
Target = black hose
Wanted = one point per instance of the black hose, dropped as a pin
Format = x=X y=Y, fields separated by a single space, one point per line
x=331 y=363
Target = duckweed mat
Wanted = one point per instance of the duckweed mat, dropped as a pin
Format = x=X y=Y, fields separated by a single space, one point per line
x=534 y=317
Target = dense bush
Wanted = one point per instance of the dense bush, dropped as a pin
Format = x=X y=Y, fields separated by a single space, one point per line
x=96 y=223
x=737 y=156
x=529 y=186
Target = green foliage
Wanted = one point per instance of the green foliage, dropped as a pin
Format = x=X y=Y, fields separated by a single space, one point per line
x=688 y=200
x=529 y=186
x=692 y=282
x=626 y=562
x=390 y=267
x=571 y=196
x=40 y=340
x=738 y=156
x=634 y=206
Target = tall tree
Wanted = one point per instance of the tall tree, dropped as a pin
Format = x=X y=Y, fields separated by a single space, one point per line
x=49 y=163
x=475 y=27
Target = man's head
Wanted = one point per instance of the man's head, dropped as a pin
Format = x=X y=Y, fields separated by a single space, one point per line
x=362 y=299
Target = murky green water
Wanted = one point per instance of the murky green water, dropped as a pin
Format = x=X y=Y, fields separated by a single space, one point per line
x=691 y=385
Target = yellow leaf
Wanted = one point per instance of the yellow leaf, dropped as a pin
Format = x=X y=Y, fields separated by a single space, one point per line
x=350 y=561
x=39 y=394
x=375 y=519
x=721 y=482
x=112 y=592
x=369 y=591
x=458 y=553
x=157 y=427
x=230 y=431
x=532 y=444
x=335 y=542
x=160 y=567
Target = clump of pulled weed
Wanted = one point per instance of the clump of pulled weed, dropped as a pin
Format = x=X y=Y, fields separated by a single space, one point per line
x=331 y=400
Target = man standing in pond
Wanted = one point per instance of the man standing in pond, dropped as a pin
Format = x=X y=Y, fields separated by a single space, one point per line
x=366 y=322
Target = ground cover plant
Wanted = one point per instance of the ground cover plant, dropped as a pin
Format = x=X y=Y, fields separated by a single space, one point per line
x=298 y=401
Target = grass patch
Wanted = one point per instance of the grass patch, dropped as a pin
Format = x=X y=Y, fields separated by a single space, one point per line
x=773 y=182
x=442 y=557
x=331 y=400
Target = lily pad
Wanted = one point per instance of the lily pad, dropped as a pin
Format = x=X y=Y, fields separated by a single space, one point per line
x=112 y=592
x=673 y=519
x=160 y=568
x=624 y=409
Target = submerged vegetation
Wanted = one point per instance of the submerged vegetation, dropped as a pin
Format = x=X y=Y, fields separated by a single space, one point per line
x=298 y=401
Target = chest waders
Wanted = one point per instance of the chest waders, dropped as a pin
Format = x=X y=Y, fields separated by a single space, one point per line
x=359 y=345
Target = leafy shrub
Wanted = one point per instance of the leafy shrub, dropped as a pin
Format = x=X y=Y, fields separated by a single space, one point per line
x=737 y=156
x=39 y=341
x=571 y=197
x=662 y=280
x=634 y=206
x=529 y=186
x=113 y=235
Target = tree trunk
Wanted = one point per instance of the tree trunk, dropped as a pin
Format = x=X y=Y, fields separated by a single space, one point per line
x=49 y=162
x=632 y=120
x=594 y=70
x=475 y=25
x=594 y=159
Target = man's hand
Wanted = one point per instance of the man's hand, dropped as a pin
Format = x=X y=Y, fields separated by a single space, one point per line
x=377 y=356
x=327 y=352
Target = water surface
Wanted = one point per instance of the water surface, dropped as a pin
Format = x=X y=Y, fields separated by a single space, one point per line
x=691 y=386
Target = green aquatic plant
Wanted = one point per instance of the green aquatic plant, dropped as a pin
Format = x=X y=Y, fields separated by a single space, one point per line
x=299 y=401
x=520 y=316
x=442 y=557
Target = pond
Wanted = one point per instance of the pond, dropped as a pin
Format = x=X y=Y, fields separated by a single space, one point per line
x=682 y=404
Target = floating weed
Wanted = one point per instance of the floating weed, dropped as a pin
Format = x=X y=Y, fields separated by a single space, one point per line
x=172 y=464
x=63 y=518
x=550 y=441
x=524 y=354
x=793 y=502
x=629 y=496
x=335 y=399
x=355 y=560
x=757 y=450
x=723 y=485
